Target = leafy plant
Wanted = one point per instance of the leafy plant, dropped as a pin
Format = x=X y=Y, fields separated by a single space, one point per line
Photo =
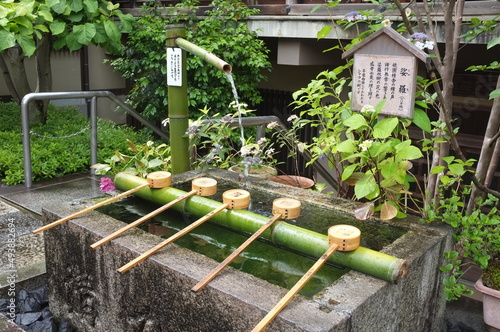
x=145 y=158
x=215 y=142
x=32 y=27
x=370 y=153
x=56 y=157
x=477 y=235
x=222 y=32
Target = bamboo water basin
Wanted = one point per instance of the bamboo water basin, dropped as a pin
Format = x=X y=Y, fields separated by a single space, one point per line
x=155 y=295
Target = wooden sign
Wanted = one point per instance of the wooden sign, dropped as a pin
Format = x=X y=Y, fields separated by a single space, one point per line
x=393 y=78
x=385 y=68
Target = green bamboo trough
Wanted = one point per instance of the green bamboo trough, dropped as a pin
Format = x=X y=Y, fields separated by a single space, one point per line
x=282 y=234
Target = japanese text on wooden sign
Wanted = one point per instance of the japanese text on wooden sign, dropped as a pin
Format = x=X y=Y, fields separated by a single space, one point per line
x=174 y=66
x=379 y=77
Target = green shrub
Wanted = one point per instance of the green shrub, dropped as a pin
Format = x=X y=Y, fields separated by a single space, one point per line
x=223 y=32
x=56 y=157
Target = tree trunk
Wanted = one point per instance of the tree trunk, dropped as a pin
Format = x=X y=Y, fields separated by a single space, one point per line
x=8 y=80
x=488 y=148
x=44 y=73
x=14 y=59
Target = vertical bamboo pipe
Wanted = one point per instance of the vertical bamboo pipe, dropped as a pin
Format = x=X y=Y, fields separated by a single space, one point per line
x=178 y=110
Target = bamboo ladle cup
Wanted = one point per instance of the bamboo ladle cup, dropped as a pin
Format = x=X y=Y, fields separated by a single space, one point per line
x=232 y=199
x=340 y=237
x=200 y=187
x=286 y=208
x=158 y=179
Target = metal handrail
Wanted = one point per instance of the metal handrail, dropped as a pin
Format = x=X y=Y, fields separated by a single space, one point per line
x=93 y=95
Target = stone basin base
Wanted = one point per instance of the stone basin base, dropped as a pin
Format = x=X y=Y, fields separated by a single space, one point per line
x=156 y=295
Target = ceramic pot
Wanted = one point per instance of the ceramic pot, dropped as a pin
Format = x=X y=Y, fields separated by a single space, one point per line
x=491 y=306
x=293 y=180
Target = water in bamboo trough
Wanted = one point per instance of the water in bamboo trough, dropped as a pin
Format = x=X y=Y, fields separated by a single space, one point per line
x=282 y=264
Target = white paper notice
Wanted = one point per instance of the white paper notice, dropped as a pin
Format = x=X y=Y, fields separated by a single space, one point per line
x=174 y=64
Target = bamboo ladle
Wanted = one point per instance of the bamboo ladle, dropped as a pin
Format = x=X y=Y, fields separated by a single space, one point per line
x=286 y=208
x=340 y=237
x=200 y=187
x=158 y=179
x=232 y=199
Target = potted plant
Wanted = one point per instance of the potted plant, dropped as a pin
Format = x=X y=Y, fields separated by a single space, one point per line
x=489 y=285
x=477 y=238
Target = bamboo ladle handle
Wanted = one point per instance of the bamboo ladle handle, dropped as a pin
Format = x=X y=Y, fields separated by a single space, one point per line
x=241 y=200
x=158 y=179
x=90 y=208
x=341 y=237
x=142 y=219
x=199 y=186
x=234 y=254
x=282 y=207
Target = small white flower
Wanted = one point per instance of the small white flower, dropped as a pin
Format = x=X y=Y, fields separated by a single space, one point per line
x=408 y=12
x=149 y=143
x=386 y=22
x=420 y=45
x=301 y=146
x=249 y=149
x=365 y=145
x=269 y=152
x=292 y=117
x=272 y=125
x=262 y=141
x=368 y=109
x=429 y=44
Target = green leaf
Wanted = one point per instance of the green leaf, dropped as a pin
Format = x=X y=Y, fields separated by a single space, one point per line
x=457 y=169
x=437 y=169
x=365 y=186
x=27 y=44
x=348 y=171
x=346 y=146
x=7 y=40
x=84 y=33
x=406 y=151
x=409 y=153
x=155 y=163
x=112 y=30
x=355 y=121
x=58 y=6
x=493 y=42
x=323 y=33
x=494 y=94
x=76 y=5
x=445 y=179
x=385 y=127
x=92 y=5
x=71 y=42
x=57 y=27
x=41 y=27
x=46 y=15
x=421 y=120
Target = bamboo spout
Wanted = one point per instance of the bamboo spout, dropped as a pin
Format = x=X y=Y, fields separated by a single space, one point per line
x=204 y=54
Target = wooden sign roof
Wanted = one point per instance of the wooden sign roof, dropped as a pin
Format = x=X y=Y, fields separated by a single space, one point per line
x=387 y=41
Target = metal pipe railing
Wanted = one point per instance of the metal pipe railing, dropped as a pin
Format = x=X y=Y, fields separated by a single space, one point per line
x=28 y=173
